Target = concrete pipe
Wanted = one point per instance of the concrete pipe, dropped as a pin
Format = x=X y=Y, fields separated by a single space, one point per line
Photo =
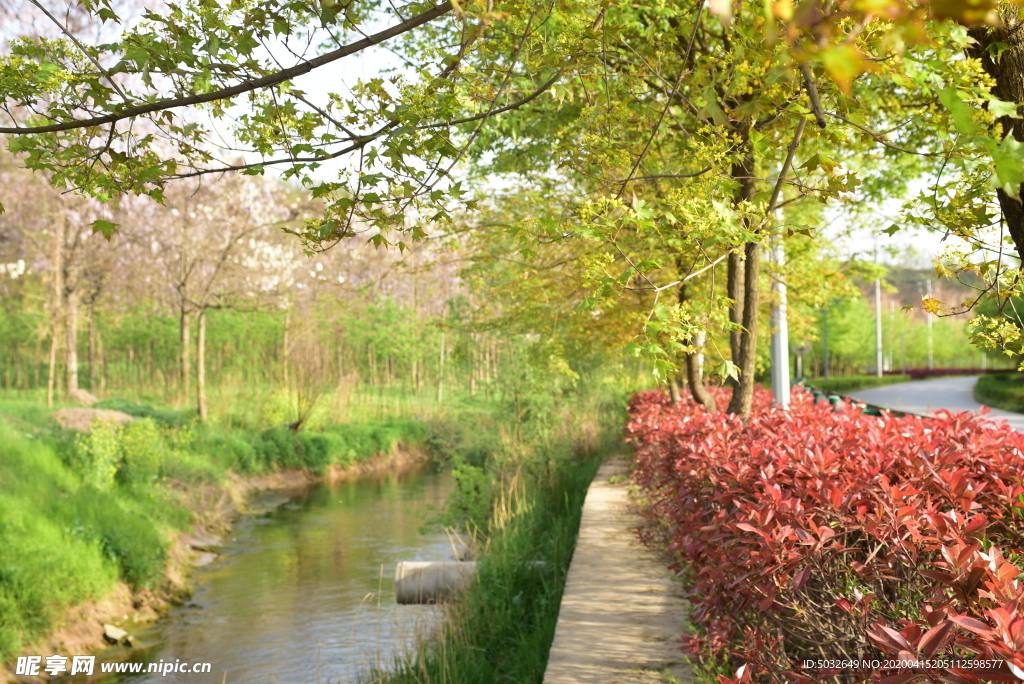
x=431 y=582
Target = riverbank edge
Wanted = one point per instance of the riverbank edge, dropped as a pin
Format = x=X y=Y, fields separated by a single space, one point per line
x=215 y=507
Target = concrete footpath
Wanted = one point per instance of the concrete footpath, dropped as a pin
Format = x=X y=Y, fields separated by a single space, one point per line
x=622 y=615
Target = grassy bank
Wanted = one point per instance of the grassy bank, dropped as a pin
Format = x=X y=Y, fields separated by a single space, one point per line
x=80 y=513
x=1002 y=391
x=852 y=383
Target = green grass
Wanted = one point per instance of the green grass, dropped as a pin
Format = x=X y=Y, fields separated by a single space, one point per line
x=502 y=629
x=80 y=512
x=1001 y=390
x=852 y=383
x=63 y=542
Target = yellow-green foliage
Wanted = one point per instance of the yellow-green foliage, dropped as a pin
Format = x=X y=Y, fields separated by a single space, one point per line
x=142 y=450
x=99 y=453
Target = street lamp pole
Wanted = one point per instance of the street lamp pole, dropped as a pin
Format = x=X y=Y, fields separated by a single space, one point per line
x=878 y=327
x=780 y=327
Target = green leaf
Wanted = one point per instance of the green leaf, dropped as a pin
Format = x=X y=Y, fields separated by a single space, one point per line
x=962 y=113
x=711 y=110
x=727 y=369
x=1001 y=109
x=105 y=227
x=891 y=230
x=820 y=161
x=996 y=50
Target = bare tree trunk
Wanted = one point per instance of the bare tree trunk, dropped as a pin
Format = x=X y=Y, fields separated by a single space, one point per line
x=284 y=347
x=201 y=365
x=93 y=375
x=747 y=281
x=186 y=356
x=440 y=371
x=472 y=366
x=71 y=344
x=57 y=313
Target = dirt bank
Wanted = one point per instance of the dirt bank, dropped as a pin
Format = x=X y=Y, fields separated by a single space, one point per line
x=215 y=507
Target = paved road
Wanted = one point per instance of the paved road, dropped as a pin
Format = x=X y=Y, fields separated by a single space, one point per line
x=925 y=396
x=622 y=615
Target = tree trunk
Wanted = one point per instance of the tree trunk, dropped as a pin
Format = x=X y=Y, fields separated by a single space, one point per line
x=440 y=371
x=71 y=344
x=93 y=376
x=201 y=366
x=694 y=378
x=743 y=392
x=102 y=359
x=186 y=356
x=57 y=313
x=673 y=390
x=1008 y=72
x=734 y=286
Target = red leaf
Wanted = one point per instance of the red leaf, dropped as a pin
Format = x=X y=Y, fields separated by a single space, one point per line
x=972 y=625
x=935 y=638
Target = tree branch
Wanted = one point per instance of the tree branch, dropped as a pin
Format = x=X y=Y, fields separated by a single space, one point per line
x=244 y=87
x=812 y=94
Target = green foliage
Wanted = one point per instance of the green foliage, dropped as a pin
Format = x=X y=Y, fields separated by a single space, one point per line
x=142 y=451
x=1001 y=391
x=850 y=383
x=470 y=505
x=100 y=455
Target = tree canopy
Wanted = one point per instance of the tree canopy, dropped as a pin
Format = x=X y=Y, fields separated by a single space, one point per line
x=633 y=152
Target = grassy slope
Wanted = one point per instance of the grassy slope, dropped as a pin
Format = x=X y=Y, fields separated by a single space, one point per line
x=1002 y=391
x=78 y=514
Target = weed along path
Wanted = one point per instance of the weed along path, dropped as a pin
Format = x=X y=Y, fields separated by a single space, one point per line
x=622 y=614
x=926 y=396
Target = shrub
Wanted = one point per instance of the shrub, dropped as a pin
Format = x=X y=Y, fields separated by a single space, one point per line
x=1001 y=390
x=142 y=451
x=99 y=454
x=815 y=533
x=231 y=448
x=314 y=452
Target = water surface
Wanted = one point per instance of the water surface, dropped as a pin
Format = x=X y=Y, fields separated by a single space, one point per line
x=305 y=592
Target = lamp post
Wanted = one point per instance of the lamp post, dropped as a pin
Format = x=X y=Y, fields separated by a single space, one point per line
x=780 y=327
x=878 y=327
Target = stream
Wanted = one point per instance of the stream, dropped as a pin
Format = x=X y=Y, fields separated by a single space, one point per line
x=304 y=593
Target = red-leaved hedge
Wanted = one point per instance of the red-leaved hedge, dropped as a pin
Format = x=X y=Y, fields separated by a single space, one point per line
x=821 y=535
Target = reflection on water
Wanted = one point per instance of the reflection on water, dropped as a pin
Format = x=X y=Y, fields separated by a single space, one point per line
x=305 y=593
